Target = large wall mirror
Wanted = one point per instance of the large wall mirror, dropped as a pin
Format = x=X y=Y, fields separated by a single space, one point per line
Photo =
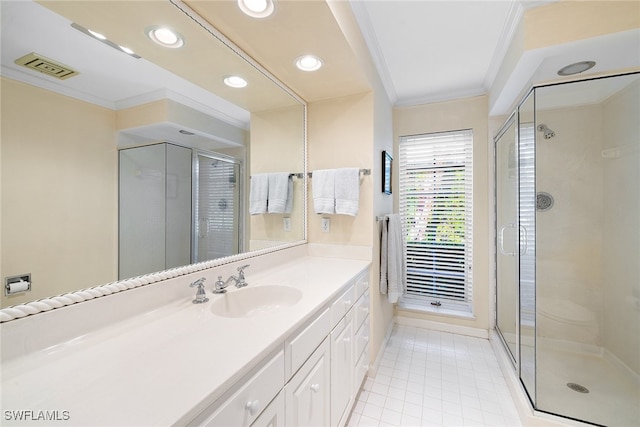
x=139 y=159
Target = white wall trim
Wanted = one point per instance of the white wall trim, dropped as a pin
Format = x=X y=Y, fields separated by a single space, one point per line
x=442 y=327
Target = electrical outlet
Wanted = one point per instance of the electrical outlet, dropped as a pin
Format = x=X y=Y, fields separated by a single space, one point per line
x=326 y=225
x=287 y=224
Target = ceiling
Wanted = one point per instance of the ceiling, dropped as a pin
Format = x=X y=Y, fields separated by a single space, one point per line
x=429 y=51
x=423 y=50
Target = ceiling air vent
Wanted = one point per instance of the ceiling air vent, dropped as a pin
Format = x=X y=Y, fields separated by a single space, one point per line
x=46 y=66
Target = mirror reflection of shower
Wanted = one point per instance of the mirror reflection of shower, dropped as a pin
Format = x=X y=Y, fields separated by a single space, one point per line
x=548 y=133
x=177 y=205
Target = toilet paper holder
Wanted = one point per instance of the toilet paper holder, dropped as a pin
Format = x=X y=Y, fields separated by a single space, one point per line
x=17 y=284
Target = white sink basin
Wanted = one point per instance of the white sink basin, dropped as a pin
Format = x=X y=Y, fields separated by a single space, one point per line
x=255 y=301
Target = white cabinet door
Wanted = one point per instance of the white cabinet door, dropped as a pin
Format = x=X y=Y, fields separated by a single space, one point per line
x=308 y=392
x=342 y=364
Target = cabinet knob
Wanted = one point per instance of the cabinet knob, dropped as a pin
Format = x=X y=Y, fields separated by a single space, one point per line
x=347 y=339
x=315 y=387
x=252 y=406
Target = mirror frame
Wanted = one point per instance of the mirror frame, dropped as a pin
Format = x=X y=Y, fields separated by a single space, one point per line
x=46 y=304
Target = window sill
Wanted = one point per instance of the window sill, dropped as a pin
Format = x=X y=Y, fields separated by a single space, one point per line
x=439 y=311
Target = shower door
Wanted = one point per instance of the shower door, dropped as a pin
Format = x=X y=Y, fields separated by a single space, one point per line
x=217 y=207
x=567 y=244
x=506 y=241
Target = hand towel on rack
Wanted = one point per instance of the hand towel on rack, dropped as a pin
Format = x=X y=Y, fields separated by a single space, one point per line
x=279 y=192
x=347 y=184
x=288 y=207
x=392 y=259
x=324 y=192
x=258 y=193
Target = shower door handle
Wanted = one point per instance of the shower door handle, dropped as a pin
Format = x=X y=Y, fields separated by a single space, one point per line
x=203 y=230
x=523 y=240
x=501 y=240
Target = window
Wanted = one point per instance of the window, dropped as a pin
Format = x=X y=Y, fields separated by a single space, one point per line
x=436 y=208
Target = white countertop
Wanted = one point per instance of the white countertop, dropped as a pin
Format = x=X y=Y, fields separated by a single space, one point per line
x=164 y=366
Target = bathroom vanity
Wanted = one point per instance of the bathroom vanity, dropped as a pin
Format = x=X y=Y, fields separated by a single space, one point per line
x=149 y=356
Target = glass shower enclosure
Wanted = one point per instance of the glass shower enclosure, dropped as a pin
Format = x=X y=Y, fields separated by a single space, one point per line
x=177 y=206
x=567 y=181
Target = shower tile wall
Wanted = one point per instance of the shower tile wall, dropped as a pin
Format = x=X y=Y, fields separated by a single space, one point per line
x=569 y=235
x=621 y=269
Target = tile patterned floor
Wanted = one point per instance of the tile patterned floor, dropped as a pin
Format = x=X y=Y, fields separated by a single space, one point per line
x=430 y=378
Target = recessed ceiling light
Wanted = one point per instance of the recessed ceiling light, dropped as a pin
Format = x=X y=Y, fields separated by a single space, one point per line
x=256 y=8
x=235 y=81
x=577 y=68
x=308 y=63
x=165 y=36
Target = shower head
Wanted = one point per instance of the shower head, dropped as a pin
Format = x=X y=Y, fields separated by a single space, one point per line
x=548 y=133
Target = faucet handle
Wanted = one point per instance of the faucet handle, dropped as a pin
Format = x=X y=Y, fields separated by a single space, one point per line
x=199 y=282
x=201 y=296
x=240 y=283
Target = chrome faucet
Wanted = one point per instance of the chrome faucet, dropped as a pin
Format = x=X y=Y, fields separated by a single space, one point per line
x=201 y=296
x=220 y=284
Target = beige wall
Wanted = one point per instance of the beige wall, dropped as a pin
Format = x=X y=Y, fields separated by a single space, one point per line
x=352 y=132
x=341 y=135
x=382 y=310
x=621 y=270
x=567 y=21
x=48 y=140
x=275 y=142
x=470 y=113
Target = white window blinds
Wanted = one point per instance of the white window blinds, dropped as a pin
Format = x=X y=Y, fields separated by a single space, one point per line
x=436 y=189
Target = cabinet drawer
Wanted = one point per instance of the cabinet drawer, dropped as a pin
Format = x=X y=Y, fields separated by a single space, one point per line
x=361 y=339
x=244 y=407
x=362 y=283
x=298 y=349
x=273 y=415
x=341 y=306
x=361 y=309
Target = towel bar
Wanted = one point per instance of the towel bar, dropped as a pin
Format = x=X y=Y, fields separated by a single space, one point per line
x=296 y=175
x=362 y=172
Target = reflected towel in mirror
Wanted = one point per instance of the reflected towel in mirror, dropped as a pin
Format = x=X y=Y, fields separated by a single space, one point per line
x=280 y=193
x=258 y=193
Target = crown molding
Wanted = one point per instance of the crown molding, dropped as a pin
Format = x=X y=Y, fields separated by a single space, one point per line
x=368 y=33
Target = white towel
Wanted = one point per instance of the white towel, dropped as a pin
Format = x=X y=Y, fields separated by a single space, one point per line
x=324 y=192
x=278 y=193
x=347 y=184
x=258 y=193
x=288 y=207
x=392 y=259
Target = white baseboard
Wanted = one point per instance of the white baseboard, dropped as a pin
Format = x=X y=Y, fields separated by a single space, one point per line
x=442 y=327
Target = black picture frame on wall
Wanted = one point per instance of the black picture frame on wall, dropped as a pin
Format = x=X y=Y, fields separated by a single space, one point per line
x=387 y=166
